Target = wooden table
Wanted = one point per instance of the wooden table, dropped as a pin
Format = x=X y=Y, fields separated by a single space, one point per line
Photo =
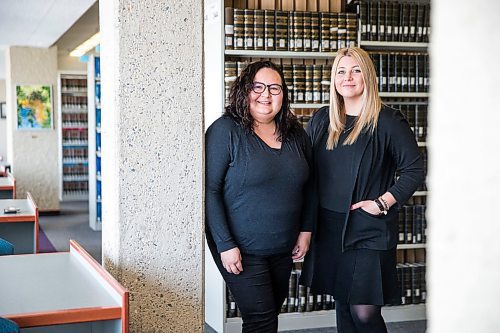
x=61 y=292
x=21 y=229
x=7 y=187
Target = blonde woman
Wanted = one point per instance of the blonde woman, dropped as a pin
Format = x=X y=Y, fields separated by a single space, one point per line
x=358 y=146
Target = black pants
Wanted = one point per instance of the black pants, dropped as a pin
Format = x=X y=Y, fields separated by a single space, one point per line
x=260 y=290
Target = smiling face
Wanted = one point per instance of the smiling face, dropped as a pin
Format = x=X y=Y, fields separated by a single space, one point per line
x=349 y=81
x=264 y=106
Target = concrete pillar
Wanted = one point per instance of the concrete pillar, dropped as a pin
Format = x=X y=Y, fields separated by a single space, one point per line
x=33 y=154
x=152 y=157
x=464 y=149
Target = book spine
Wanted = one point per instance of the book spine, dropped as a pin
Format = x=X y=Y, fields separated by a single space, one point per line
x=298 y=30
x=288 y=74
x=325 y=83
x=409 y=214
x=248 y=27
x=341 y=30
x=412 y=22
x=420 y=23
x=381 y=21
x=363 y=18
x=269 y=30
x=299 y=83
x=324 y=21
x=373 y=21
x=307 y=31
x=282 y=22
x=309 y=91
x=292 y=292
x=334 y=29
x=228 y=28
x=239 y=31
x=351 y=30
x=412 y=75
x=389 y=19
x=258 y=28
x=315 y=32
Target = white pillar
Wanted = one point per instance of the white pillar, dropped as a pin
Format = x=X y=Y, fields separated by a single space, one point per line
x=33 y=154
x=464 y=156
x=152 y=159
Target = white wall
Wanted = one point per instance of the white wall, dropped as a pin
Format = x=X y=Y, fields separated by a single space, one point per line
x=464 y=149
x=67 y=63
x=3 y=124
x=33 y=153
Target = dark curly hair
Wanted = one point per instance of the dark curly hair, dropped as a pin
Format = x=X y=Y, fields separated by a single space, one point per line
x=238 y=109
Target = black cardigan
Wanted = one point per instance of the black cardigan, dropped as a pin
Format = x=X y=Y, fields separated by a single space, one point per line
x=391 y=147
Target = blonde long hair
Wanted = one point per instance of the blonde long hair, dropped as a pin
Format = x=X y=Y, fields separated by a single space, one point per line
x=370 y=109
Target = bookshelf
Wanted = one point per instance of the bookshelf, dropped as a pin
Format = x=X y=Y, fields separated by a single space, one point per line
x=94 y=106
x=219 y=76
x=398 y=46
x=73 y=138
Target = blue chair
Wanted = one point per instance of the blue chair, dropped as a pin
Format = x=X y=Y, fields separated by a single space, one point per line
x=6 y=248
x=8 y=326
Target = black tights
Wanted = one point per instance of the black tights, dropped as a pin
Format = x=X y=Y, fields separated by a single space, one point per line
x=359 y=318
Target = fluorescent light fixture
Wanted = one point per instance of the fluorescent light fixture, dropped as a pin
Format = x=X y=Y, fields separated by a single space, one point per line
x=86 y=46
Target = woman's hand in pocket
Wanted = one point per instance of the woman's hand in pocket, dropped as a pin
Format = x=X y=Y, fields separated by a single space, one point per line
x=368 y=206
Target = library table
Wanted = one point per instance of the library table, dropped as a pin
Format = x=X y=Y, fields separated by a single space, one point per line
x=61 y=292
x=21 y=228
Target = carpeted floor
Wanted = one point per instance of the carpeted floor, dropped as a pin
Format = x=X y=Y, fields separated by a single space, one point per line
x=400 y=327
x=44 y=244
x=72 y=223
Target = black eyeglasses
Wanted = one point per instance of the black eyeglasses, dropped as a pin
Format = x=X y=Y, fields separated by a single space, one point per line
x=259 y=88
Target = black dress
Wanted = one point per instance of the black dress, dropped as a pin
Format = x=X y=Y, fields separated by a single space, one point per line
x=354 y=276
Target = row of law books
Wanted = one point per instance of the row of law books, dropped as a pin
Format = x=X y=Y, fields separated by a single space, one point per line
x=71 y=84
x=270 y=30
x=398 y=21
x=412 y=224
x=299 y=298
x=307 y=83
x=76 y=187
x=401 y=71
x=416 y=115
x=411 y=279
x=77 y=169
x=412 y=282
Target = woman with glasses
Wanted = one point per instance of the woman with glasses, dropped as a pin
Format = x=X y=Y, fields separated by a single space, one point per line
x=359 y=145
x=257 y=172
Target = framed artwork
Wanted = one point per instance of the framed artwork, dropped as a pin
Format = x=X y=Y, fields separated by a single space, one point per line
x=3 y=110
x=34 y=107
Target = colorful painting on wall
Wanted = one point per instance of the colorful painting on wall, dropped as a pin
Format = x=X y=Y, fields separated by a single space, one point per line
x=34 y=107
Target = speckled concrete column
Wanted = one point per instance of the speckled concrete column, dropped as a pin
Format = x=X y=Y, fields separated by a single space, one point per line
x=33 y=153
x=152 y=155
x=464 y=145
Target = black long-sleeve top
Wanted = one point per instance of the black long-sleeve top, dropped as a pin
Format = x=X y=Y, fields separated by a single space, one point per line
x=255 y=195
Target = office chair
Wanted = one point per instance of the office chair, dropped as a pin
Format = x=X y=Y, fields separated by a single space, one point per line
x=6 y=248
x=8 y=326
